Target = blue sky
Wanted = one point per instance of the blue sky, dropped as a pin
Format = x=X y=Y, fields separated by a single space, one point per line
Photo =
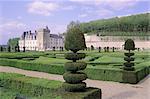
x=17 y=16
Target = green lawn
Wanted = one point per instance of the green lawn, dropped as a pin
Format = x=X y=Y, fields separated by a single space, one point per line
x=11 y=94
x=12 y=85
x=47 y=60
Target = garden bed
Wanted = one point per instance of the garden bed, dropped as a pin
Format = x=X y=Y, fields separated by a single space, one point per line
x=16 y=85
x=104 y=66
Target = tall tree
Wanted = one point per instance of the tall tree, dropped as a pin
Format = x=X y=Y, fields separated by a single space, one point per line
x=76 y=37
x=13 y=43
x=74 y=41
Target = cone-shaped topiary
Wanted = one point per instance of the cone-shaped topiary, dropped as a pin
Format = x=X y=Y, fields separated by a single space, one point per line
x=129 y=45
x=74 y=41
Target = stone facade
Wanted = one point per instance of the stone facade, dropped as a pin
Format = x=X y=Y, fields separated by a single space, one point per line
x=116 y=41
x=41 y=40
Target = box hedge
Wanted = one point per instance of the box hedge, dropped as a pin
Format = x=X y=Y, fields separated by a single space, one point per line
x=48 y=68
x=117 y=75
x=28 y=85
x=42 y=88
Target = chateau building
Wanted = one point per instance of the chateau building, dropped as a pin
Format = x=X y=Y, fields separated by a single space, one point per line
x=41 y=40
x=96 y=41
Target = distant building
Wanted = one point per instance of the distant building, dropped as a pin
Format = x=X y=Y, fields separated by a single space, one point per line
x=141 y=42
x=41 y=40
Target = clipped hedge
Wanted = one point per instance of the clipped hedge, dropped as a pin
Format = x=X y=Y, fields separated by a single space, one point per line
x=127 y=64
x=129 y=59
x=128 y=54
x=89 y=93
x=123 y=76
x=74 y=87
x=21 y=55
x=75 y=66
x=48 y=68
x=74 y=78
x=28 y=85
x=75 y=56
x=93 y=73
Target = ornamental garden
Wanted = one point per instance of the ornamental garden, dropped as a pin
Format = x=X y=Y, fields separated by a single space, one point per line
x=76 y=65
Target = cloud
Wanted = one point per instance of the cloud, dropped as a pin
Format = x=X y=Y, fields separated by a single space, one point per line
x=82 y=15
x=87 y=2
x=104 y=13
x=11 y=29
x=113 y=4
x=12 y=25
x=19 y=17
x=121 y=4
x=42 y=8
x=70 y=7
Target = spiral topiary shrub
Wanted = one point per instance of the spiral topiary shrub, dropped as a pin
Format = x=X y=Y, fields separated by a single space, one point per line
x=129 y=45
x=74 y=78
x=74 y=41
x=75 y=66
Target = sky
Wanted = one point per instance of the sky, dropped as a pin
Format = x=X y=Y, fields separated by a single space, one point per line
x=17 y=16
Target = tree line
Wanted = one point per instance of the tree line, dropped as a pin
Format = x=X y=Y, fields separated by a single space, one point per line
x=128 y=25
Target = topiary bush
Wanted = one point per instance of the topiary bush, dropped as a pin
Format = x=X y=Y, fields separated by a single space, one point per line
x=75 y=66
x=74 y=42
x=129 y=45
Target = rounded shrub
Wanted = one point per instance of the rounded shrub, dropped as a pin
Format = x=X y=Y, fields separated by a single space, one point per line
x=74 y=87
x=74 y=39
x=127 y=64
x=128 y=59
x=129 y=45
x=75 y=66
x=75 y=56
x=74 y=77
x=128 y=54
x=128 y=68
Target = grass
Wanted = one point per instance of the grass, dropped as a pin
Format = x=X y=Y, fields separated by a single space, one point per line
x=11 y=94
x=35 y=81
x=12 y=84
x=46 y=60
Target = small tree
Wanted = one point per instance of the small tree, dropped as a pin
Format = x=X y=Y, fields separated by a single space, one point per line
x=16 y=48
x=92 y=47
x=113 y=49
x=107 y=49
x=74 y=41
x=138 y=49
x=129 y=45
x=24 y=49
x=62 y=48
x=1 y=48
x=99 y=49
x=53 y=48
x=9 y=49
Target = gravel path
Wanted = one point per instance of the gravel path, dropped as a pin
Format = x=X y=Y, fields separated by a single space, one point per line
x=110 y=90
